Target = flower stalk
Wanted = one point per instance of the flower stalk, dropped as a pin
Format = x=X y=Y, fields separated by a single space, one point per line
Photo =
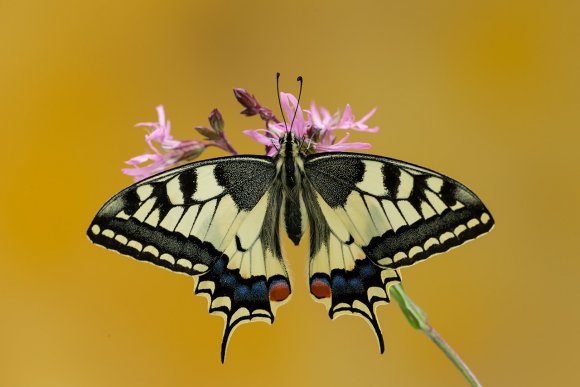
x=418 y=320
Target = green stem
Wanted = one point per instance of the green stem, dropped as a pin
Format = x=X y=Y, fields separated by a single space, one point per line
x=418 y=320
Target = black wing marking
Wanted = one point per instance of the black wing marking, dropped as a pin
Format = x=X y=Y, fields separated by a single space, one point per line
x=218 y=219
x=397 y=212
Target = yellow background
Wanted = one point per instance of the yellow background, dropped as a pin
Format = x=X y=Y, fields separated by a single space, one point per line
x=484 y=92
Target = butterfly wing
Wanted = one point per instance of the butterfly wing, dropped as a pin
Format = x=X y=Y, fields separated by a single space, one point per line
x=371 y=215
x=216 y=219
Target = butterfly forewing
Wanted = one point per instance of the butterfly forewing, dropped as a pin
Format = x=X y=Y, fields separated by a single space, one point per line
x=398 y=213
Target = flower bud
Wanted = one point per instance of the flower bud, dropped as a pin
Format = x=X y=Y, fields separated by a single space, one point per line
x=216 y=121
x=267 y=115
x=248 y=101
x=208 y=133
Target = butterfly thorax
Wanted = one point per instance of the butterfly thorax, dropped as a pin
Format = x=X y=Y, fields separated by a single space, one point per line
x=290 y=163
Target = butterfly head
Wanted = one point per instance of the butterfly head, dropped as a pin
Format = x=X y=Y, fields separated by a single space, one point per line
x=289 y=145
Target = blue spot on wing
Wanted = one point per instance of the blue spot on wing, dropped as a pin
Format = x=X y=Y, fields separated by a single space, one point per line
x=259 y=289
x=241 y=293
x=355 y=285
x=367 y=269
x=228 y=280
x=338 y=283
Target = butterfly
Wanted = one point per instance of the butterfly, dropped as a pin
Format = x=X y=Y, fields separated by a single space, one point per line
x=220 y=221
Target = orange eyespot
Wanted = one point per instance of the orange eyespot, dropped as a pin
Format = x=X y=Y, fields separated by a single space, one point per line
x=320 y=288
x=279 y=290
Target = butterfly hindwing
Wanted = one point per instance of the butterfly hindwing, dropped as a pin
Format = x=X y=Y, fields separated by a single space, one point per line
x=341 y=275
x=249 y=281
x=217 y=219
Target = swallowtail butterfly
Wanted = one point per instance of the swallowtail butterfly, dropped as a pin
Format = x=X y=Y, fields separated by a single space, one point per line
x=219 y=220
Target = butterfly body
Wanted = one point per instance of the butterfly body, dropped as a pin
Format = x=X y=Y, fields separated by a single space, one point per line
x=220 y=220
x=290 y=166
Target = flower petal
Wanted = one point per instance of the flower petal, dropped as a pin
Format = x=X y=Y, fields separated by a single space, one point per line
x=342 y=145
x=347 y=118
x=140 y=173
x=368 y=115
x=142 y=158
x=272 y=151
x=161 y=115
x=256 y=135
x=314 y=115
x=347 y=121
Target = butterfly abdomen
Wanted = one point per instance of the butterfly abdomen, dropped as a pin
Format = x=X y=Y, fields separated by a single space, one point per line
x=293 y=220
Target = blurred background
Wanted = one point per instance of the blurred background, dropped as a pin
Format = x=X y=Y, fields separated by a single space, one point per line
x=485 y=92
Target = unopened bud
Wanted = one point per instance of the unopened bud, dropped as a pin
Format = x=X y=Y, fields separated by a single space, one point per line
x=248 y=101
x=216 y=121
x=208 y=133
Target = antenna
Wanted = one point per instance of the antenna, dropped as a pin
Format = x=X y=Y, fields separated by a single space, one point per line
x=280 y=102
x=299 y=79
x=274 y=145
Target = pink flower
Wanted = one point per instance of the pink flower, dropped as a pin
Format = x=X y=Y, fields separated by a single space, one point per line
x=174 y=151
x=318 y=130
x=171 y=153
